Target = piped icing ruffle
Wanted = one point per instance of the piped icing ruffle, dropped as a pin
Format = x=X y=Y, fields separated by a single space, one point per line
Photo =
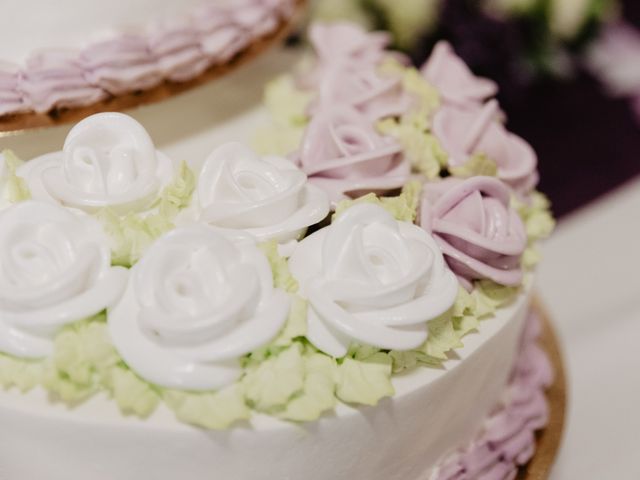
x=508 y=439
x=178 y=51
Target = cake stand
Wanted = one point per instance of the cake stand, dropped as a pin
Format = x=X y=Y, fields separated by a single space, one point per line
x=550 y=438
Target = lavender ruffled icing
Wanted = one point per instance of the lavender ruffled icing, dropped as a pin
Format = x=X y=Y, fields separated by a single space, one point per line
x=479 y=234
x=342 y=153
x=465 y=132
x=178 y=51
x=508 y=438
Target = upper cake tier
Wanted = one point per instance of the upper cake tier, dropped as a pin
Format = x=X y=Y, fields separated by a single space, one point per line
x=66 y=61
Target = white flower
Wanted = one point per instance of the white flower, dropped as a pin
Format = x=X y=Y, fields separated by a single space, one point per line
x=372 y=280
x=196 y=302
x=267 y=197
x=55 y=269
x=108 y=160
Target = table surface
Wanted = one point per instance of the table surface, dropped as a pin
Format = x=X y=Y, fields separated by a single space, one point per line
x=588 y=283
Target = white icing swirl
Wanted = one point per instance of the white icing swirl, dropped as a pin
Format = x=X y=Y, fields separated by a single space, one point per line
x=195 y=303
x=108 y=160
x=372 y=280
x=267 y=197
x=55 y=269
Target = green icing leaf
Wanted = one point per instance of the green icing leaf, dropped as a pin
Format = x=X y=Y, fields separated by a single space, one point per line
x=133 y=233
x=490 y=296
x=442 y=337
x=318 y=394
x=365 y=380
x=538 y=222
x=407 y=20
x=421 y=147
x=177 y=195
x=131 y=393
x=282 y=277
x=403 y=360
x=403 y=207
x=20 y=373
x=478 y=164
x=296 y=325
x=213 y=410
x=287 y=107
x=268 y=386
x=16 y=188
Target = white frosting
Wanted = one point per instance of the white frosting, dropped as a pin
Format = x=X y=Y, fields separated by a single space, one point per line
x=108 y=160
x=31 y=25
x=55 y=269
x=372 y=280
x=195 y=303
x=433 y=412
x=267 y=197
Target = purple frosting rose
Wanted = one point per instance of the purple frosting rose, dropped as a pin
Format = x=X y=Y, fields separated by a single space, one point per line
x=479 y=234
x=342 y=153
x=456 y=83
x=465 y=132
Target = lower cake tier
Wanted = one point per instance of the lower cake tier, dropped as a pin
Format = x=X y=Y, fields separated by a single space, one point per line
x=475 y=416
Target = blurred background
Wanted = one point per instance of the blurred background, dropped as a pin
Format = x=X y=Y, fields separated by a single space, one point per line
x=568 y=70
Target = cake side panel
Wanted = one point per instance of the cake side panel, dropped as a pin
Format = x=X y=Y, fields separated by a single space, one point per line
x=434 y=412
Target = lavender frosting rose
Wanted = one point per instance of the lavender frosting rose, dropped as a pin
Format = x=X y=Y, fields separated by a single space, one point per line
x=479 y=234
x=342 y=153
x=465 y=132
x=456 y=83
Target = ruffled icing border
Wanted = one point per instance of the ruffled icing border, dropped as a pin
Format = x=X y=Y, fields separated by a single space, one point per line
x=508 y=439
x=208 y=36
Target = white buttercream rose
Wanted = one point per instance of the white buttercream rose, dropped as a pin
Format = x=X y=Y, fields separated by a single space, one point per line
x=108 y=160
x=268 y=197
x=55 y=269
x=372 y=280
x=196 y=302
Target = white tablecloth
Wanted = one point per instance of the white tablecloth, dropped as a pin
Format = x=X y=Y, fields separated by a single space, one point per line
x=589 y=280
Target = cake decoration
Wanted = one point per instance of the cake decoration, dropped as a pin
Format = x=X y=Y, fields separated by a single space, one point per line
x=266 y=197
x=196 y=302
x=179 y=49
x=55 y=270
x=372 y=280
x=217 y=321
x=481 y=236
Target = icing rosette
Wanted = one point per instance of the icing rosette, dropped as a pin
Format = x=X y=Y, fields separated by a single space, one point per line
x=342 y=153
x=343 y=45
x=465 y=132
x=195 y=303
x=55 y=269
x=456 y=83
x=108 y=160
x=372 y=280
x=267 y=197
x=479 y=234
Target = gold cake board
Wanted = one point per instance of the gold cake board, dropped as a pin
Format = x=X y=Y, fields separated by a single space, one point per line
x=17 y=123
x=549 y=439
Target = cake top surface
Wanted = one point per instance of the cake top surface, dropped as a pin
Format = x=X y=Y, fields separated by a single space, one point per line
x=384 y=212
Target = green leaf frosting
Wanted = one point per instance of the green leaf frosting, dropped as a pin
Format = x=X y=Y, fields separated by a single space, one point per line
x=364 y=377
x=478 y=164
x=133 y=233
x=538 y=222
x=287 y=107
x=132 y=394
x=19 y=373
x=16 y=189
x=213 y=410
x=282 y=277
x=403 y=207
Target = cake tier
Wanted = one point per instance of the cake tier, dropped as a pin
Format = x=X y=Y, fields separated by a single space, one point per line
x=434 y=412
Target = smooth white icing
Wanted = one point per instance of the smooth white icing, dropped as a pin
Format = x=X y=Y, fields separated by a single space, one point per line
x=195 y=303
x=433 y=412
x=108 y=160
x=268 y=197
x=373 y=280
x=28 y=26
x=55 y=269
